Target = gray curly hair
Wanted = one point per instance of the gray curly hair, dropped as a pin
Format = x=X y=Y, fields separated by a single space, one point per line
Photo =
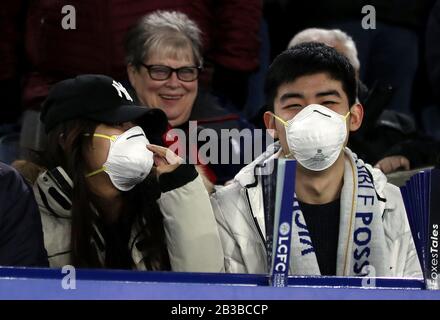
x=171 y=32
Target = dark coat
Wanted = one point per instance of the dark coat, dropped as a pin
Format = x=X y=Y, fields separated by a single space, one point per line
x=433 y=50
x=21 y=235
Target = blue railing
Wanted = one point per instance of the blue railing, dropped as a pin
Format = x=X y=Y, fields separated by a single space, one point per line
x=36 y=283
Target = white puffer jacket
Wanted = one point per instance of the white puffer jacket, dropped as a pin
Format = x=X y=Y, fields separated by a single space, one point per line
x=236 y=205
x=190 y=229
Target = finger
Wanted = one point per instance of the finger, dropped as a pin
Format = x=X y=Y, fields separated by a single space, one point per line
x=159 y=161
x=159 y=150
x=379 y=165
x=404 y=163
x=394 y=164
x=398 y=163
x=385 y=165
x=165 y=153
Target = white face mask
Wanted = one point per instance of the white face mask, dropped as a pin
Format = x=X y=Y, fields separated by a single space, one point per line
x=316 y=136
x=129 y=161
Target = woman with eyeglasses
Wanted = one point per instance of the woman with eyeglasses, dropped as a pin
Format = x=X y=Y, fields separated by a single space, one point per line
x=164 y=62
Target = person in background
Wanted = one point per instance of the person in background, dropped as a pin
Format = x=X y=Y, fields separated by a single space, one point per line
x=21 y=235
x=110 y=199
x=349 y=219
x=164 y=62
x=334 y=38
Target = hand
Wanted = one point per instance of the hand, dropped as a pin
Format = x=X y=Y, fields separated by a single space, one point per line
x=393 y=163
x=164 y=159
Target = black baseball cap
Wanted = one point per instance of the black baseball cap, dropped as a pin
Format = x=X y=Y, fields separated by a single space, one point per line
x=99 y=98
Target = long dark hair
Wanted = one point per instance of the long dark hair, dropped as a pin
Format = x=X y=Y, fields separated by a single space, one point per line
x=139 y=204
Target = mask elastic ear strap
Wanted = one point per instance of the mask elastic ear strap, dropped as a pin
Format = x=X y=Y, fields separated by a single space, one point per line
x=99 y=135
x=345 y=118
x=289 y=155
x=278 y=118
x=96 y=172
x=285 y=124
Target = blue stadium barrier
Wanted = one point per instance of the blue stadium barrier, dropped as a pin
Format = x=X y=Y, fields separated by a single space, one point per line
x=42 y=284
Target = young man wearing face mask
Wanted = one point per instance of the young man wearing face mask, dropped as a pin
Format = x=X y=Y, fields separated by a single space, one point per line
x=351 y=222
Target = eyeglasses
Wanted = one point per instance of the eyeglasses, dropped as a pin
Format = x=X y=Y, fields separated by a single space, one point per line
x=160 y=73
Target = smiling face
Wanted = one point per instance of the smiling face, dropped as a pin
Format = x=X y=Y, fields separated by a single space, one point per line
x=317 y=88
x=175 y=97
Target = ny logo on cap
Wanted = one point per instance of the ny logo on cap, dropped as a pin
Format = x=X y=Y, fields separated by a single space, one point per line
x=121 y=90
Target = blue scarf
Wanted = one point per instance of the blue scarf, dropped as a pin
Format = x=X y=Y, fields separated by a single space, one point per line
x=361 y=247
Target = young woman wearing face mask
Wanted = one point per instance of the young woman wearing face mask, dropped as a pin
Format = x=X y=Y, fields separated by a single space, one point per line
x=109 y=198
